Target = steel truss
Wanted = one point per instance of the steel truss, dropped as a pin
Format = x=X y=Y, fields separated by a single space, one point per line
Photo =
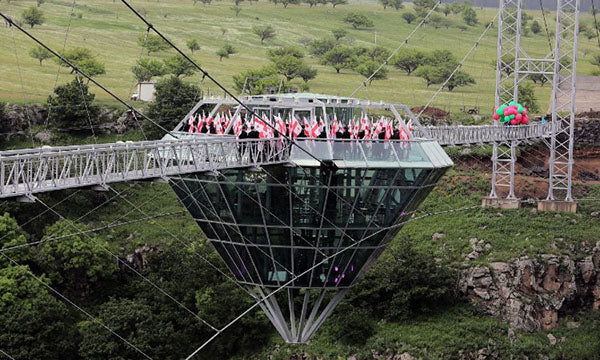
x=513 y=66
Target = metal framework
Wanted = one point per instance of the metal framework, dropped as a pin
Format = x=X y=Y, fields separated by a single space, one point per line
x=26 y=172
x=513 y=66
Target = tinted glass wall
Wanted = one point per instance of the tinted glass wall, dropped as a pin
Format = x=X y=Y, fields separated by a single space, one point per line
x=280 y=221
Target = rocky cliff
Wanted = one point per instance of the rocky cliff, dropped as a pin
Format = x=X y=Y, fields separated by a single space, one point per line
x=533 y=293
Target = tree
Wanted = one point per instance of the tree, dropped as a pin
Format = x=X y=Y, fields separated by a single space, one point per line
x=306 y=72
x=377 y=53
x=409 y=17
x=446 y=9
x=74 y=261
x=236 y=9
x=422 y=7
x=39 y=53
x=408 y=60
x=318 y=47
x=287 y=2
x=367 y=67
x=288 y=66
x=193 y=45
x=507 y=64
x=225 y=51
x=40 y=2
x=431 y=74
x=384 y=3
x=256 y=81
x=335 y=3
x=358 y=20
x=340 y=57
x=312 y=3
x=34 y=323
x=84 y=60
x=33 y=16
x=526 y=97
x=460 y=78
x=72 y=105
x=179 y=65
x=296 y=52
x=152 y=43
x=145 y=69
x=396 y=4
x=339 y=33
x=264 y=32
x=11 y=235
x=442 y=58
x=470 y=16
x=456 y=7
x=535 y=27
x=173 y=99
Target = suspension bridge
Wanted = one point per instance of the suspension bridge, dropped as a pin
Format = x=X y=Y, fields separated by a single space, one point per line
x=306 y=218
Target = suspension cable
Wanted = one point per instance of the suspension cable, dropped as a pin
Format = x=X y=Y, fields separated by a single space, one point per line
x=82 y=73
x=596 y=23
x=546 y=25
x=205 y=74
x=90 y=316
x=489 y=26
x=384 y=63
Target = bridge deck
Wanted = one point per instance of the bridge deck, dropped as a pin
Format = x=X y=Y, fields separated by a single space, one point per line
x=30 y=171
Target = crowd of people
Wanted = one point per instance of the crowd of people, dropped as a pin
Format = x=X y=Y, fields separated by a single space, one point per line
x=253 y=127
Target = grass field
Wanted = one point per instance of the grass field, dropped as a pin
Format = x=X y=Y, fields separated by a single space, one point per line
x=111 y=30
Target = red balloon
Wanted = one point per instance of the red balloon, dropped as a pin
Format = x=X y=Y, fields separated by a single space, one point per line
x=496 y=116
x=514 y=122
x=525 y=120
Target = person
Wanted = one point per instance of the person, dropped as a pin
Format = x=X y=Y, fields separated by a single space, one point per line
x=243 y=144
x=212 y=129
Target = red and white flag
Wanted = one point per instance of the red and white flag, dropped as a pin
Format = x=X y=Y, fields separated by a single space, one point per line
x=315 y=129
x=295 y=128
x=388 y=131
x=191 y=121
x=261 y=127
x=237 y=126
x=281 y=126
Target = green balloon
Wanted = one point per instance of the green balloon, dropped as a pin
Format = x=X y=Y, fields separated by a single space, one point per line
x=512 y=103
x=505 y=119
x=511 y=116
x=520 y=108
x=500 y=111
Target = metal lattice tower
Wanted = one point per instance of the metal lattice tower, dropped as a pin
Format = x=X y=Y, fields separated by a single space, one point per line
x=559 y=67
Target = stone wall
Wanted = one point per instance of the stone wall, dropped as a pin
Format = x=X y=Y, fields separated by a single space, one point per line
x=587 y=132
x=531 y=294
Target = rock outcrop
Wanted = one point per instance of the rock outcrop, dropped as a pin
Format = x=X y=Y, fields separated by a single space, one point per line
x=531 y=294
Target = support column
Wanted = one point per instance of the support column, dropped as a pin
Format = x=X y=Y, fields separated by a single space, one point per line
x=560 y=197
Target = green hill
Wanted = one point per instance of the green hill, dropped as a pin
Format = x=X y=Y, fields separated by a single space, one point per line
x=111 y=31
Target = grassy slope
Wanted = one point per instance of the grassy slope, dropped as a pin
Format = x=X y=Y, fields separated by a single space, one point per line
x=111 y=31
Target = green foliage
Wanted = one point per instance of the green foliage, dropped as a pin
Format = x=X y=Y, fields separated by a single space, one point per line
x=39 y=53
x=335 y=3
x=439 y=74
x=274 y=54
x=409 y=17
x=358 y=20
x=264 y=32
x=256 y=81
x=527 y=97
x=12 y=235
x=236 y=9
x=145 y=69
x=339 y=33
x=84 y=59
x=73 y=259
x=152 y=43
x=225 y=51
x=367 y=67
x=422 y=7
x=318 y=47
x=507 y=64
x=34 y=324
x=595 y=59
x=470 y=16
x=285 y=3
x=443 y=58
x=178 y=65
x=33 y=16
x=408 y=59
x=174 y=98
x=396 y=4
x=339 y=57
x=72 y=105
x=535 y=27
x=404 y=283
x=349 y=325
x=288 y=66
x=193 y=45
x=456 y=7
x=306 y=72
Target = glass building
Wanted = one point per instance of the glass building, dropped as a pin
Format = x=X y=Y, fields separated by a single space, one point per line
x=299 y=234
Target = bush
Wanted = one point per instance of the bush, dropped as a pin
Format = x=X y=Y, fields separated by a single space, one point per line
x=404 y=282
x=72 y=106
x=349 y=325
x=174 y=99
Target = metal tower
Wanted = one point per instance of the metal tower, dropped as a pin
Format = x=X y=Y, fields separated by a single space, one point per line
x=513 y=65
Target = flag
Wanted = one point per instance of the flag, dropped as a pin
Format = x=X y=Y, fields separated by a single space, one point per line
x=334 y=126
x=191 y=121
x=280 y=126
x=388 y=131
x=237 y=126
x=261 y=127
x=306 y=128
x=295 y=128
x=315 y=129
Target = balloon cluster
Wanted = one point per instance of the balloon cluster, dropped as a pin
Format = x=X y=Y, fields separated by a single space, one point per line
x=512 y=113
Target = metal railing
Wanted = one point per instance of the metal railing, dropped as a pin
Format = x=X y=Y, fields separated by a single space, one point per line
x=30 y=171
x=483 y=134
